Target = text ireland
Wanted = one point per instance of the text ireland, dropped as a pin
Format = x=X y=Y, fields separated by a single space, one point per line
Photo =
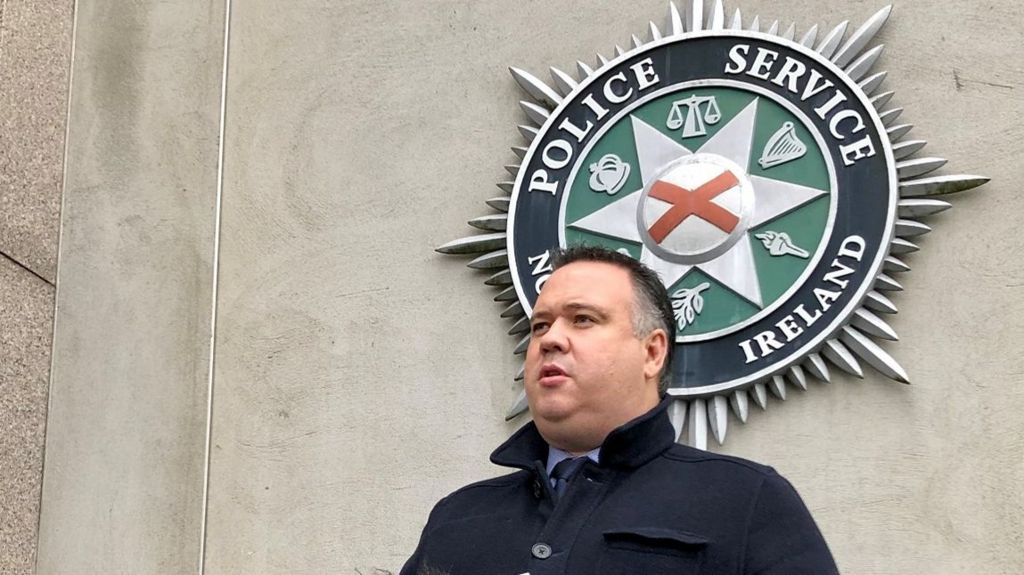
x=830 y=288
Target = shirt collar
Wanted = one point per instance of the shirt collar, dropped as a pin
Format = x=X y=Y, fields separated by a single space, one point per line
x=630 y=445
x=556 y=456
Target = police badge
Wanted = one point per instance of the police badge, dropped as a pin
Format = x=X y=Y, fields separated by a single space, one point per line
x=762 y=175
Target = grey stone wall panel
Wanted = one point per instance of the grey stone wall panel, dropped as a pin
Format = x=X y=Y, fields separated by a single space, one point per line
x=358 y=139
x=123 y=483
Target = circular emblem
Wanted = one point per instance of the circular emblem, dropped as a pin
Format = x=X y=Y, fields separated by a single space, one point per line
x=764 y=179
x=748 y=171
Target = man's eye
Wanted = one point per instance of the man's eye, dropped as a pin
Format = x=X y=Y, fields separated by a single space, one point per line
x=539 y=328
x=584 y=319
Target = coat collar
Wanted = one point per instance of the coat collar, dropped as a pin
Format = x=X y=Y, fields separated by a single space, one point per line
x=630 y=445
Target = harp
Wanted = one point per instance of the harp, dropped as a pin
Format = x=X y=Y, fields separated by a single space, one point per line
x=784 y=146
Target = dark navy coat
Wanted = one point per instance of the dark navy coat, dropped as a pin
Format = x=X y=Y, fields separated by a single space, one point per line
x=652 y=506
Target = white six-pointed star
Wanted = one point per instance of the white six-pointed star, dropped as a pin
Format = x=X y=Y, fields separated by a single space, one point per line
x=735 y=268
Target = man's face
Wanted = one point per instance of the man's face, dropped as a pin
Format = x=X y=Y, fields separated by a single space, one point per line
x=586 y=370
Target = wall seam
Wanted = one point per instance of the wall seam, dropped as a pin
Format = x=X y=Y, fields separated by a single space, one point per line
x=215 y=282
x=14 y=260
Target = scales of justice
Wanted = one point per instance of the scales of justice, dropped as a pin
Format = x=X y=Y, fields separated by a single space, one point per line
x=700 y=111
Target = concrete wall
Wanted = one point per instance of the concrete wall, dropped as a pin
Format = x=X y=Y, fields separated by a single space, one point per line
x=125 y=446
x=357 y=376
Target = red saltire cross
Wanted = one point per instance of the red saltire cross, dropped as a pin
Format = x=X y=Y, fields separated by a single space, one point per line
x=686 y=203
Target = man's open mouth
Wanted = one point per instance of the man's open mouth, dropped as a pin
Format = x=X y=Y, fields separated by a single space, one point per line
x=551 y=370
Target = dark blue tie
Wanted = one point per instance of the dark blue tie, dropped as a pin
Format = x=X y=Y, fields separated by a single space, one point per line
x=563 y=472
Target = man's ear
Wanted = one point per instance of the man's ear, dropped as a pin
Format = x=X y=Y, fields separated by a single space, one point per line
x=656 y=347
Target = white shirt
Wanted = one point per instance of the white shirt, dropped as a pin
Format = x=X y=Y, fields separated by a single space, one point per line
x=556 y=455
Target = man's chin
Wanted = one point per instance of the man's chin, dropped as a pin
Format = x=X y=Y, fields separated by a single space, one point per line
x=552 y=410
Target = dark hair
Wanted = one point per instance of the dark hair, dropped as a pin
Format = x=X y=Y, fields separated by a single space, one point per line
x=652 y=307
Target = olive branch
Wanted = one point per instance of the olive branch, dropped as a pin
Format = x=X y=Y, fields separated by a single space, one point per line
x=687 y=304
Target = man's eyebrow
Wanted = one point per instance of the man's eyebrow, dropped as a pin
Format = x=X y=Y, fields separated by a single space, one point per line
x=579 y=306
x=547 y=313
x=540 y=313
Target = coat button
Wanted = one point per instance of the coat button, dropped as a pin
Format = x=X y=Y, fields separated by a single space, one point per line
x=541 y=551
x=536 y=489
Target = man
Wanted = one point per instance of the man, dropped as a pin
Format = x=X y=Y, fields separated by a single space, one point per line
x=602 y=486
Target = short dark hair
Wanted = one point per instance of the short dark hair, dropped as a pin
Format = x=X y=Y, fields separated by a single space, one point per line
x=652 y=307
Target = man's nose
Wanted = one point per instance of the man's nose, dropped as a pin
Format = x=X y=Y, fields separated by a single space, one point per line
x=555 y=338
